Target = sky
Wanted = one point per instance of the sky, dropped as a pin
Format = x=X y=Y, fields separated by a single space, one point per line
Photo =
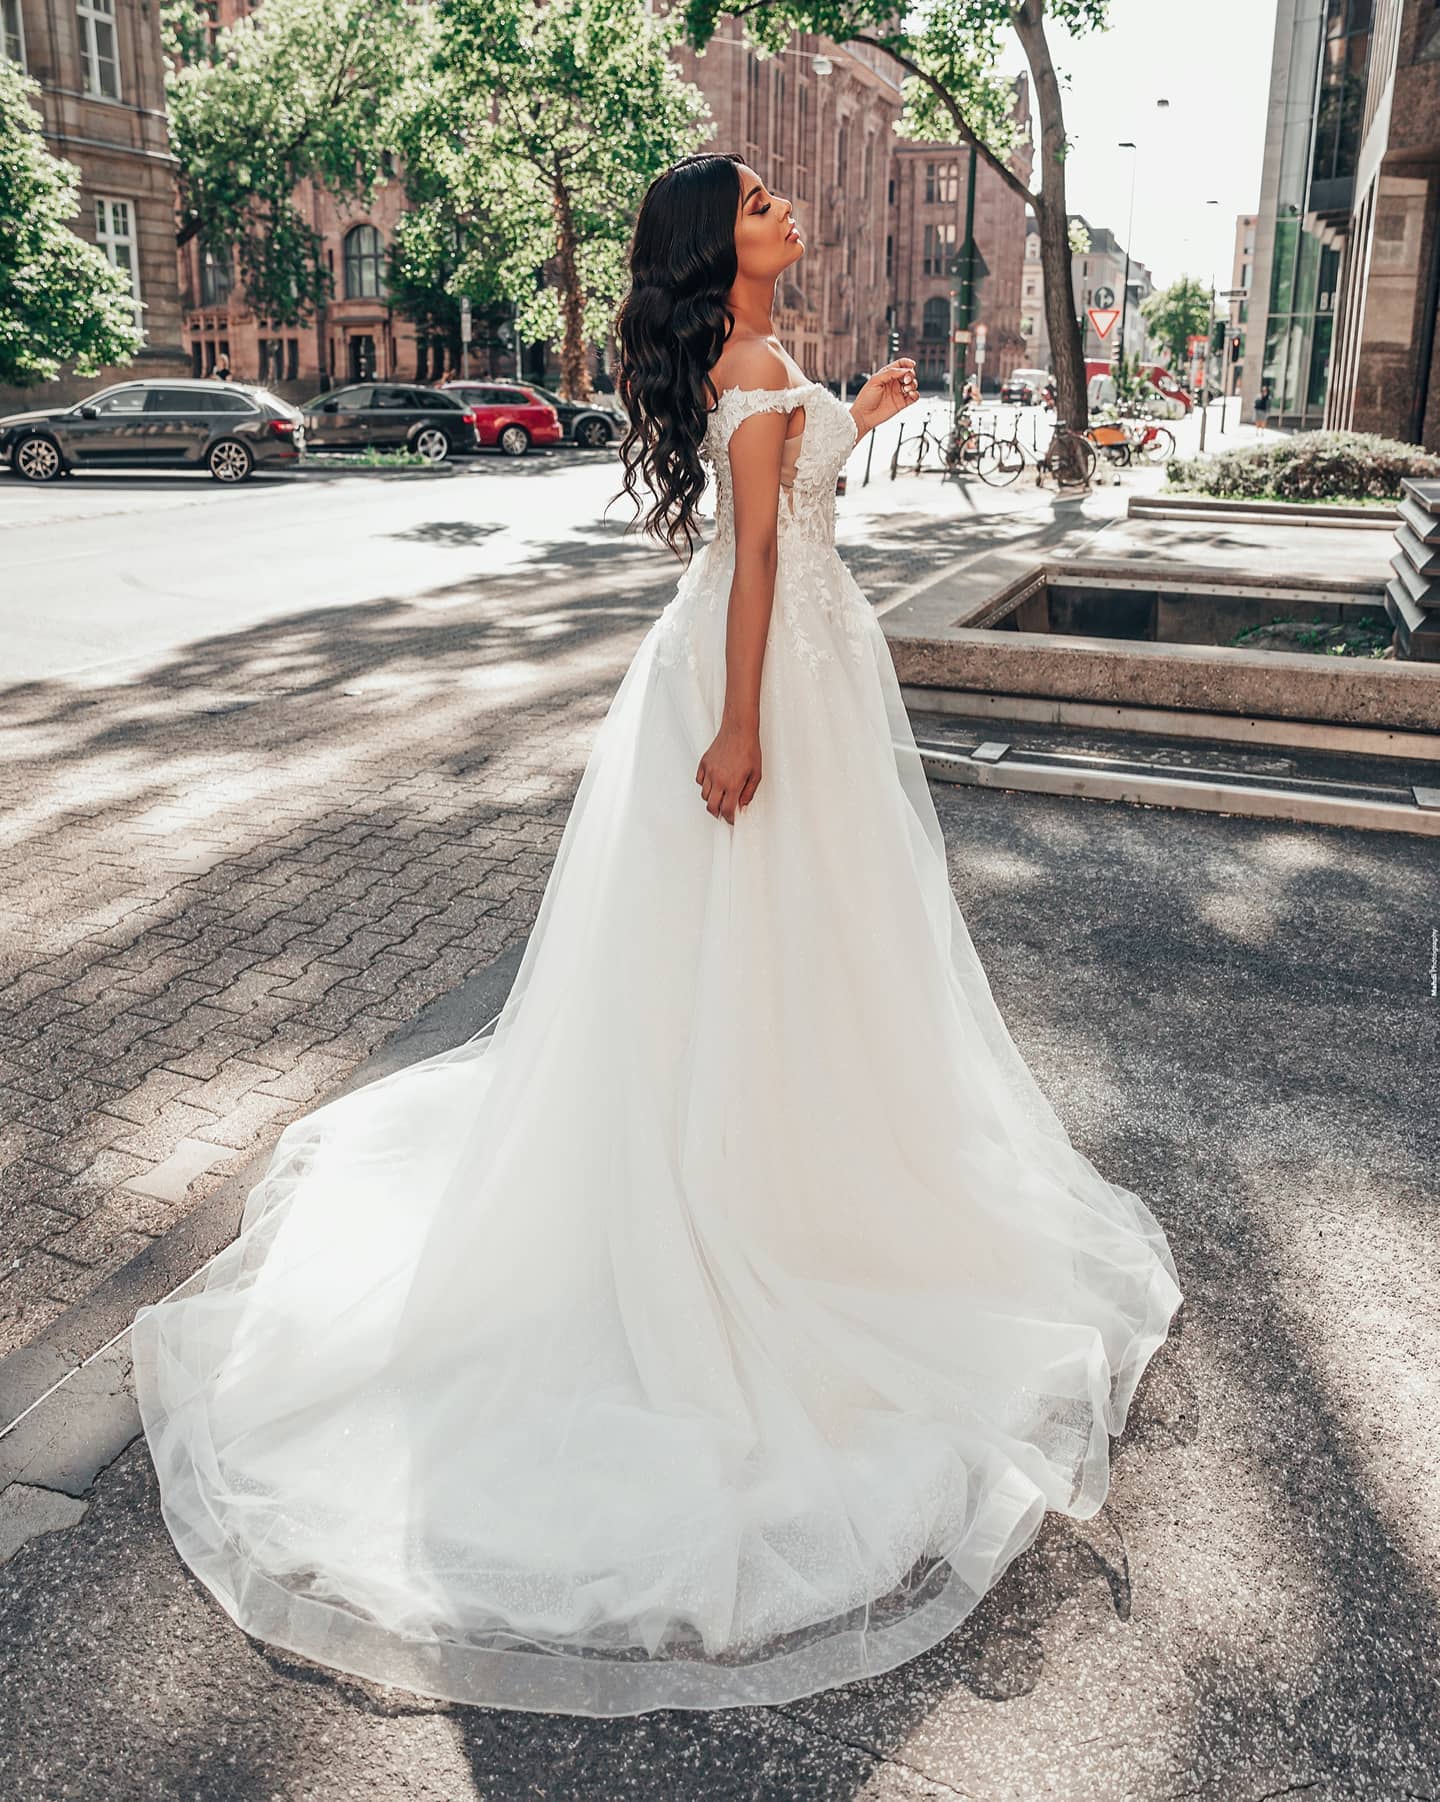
x=1212 y=63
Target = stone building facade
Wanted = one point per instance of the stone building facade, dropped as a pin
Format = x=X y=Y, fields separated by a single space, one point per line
x=100 y=67
x=1347 y=264
x=1384 y=376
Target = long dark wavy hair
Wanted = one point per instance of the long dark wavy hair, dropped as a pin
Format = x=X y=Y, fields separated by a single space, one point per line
x=671 y=328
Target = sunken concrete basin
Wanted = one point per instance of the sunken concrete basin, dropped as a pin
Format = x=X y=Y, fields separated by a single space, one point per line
x=1143 y=634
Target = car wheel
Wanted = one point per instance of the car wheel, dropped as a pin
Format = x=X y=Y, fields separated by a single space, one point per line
x=230 y=461
x=593 y=434
x=514 y=441
x=37 y=458
x=431 y=443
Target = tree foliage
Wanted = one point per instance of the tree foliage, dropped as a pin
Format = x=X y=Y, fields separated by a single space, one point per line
x=297 y=90
x=61 y=300
x=536 y=130
x=1176 y=314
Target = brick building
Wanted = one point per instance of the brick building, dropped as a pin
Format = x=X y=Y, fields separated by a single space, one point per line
x=928 y=188
x=100 y=68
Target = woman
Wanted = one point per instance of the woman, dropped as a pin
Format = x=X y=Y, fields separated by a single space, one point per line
x=719 y=1328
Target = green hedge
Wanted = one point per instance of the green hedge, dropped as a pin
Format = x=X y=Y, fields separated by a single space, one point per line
x=1310 y=466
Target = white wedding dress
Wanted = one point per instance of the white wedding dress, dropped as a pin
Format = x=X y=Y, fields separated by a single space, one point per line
x=719 y=1327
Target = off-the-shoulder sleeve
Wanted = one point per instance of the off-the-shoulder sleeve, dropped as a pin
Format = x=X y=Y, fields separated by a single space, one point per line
x=736 y=404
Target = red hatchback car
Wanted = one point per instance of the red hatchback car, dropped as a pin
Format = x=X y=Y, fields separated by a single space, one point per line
x=509 y=415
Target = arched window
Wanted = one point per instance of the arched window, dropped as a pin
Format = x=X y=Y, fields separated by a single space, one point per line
x=363 y=255
x=936 y=319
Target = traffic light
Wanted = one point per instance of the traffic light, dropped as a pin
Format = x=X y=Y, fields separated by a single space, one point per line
x=1235 y=347
x=894 y=345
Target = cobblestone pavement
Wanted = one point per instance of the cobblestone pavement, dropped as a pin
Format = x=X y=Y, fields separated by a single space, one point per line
x=1233 y=1018
x=229 y=876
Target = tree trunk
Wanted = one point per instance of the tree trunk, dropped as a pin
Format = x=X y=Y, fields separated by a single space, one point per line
x=574 y=371
x=1051 y=215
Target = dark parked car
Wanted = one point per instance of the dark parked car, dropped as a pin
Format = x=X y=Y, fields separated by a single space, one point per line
x=390 y=416
x=1023 y=387
x=591 y=423
x=229 y=428
x=510 y=415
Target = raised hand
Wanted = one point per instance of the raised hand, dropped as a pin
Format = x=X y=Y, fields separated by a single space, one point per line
x=889 y=391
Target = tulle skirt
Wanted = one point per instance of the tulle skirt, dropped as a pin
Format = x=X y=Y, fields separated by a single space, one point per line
x=718 y=1327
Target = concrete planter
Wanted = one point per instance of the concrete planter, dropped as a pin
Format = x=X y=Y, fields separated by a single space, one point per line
x=997 y=648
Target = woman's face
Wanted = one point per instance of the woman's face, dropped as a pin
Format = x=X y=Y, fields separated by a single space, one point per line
x=765 y=239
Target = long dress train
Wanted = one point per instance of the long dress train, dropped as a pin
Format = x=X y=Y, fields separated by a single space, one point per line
x=719 y=1327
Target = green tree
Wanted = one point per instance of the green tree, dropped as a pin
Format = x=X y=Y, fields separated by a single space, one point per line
x=949 y=50
x=540 y=125
x=1176 y=314
x=61 y=300
x=300 y=90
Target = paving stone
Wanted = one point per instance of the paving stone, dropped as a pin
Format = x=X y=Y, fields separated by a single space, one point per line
x=170 y=1179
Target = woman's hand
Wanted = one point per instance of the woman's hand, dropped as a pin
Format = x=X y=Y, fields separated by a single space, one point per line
x=729 y=771
x=887 y=393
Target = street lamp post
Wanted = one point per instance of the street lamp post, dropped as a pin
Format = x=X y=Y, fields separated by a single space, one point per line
x=1125 y=144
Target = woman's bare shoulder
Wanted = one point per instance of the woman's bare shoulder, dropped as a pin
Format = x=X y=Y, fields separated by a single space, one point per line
x=754 y=363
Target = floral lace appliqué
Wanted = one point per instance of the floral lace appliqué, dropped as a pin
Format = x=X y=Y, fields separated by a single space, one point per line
x=818 y=606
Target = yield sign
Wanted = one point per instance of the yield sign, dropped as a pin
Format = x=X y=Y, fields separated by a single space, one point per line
x=1103 y=319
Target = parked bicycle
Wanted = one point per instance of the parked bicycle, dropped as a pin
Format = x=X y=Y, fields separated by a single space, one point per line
x=1069 y=458
x=1132 y=437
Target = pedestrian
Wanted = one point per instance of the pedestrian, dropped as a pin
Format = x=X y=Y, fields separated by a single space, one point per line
x=971 y=395
x=1262 y=407
x=221 y=371
x=720 y=1327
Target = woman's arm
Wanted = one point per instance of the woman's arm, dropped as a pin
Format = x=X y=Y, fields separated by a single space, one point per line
x=729 y=772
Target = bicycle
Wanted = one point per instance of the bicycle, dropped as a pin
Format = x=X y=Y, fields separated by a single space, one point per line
x=1069 y=457
x=1123 y=445
x=1003 y=459
x=965 y=447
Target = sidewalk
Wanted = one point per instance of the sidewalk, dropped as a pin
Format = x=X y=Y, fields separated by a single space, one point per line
x=1237 y=1022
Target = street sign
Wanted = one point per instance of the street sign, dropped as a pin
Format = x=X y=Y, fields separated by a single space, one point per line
x=1103 y=319
x=465 y=332
x=980 y=332
x=961 y=335
x=1104 y=297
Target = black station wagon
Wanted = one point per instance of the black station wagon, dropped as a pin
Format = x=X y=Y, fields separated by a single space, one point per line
x=229 y=428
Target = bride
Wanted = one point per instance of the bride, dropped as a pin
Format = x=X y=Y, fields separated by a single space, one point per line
x=720 y=1326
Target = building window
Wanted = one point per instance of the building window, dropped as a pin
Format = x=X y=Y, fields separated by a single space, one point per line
x=216 y=278
x=939 y=248
x=99 y=59
x=12 y=32
x=942 y=184
x=362 y=263
x=936 y=318
x=115 y=234
x=802 y=146
x=842 y=156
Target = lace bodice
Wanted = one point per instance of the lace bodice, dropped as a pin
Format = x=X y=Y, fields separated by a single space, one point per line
x=819 y=610
x=812 y=459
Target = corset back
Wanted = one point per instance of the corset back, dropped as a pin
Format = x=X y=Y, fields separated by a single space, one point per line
x=812 y=459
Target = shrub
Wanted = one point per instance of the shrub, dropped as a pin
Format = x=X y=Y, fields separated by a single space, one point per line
x=1310 y=466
